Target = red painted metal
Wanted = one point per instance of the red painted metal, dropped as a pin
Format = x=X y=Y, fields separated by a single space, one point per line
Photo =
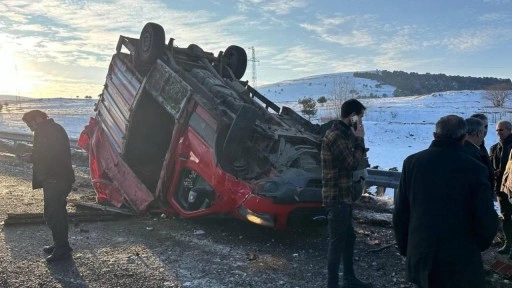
x=502 y=268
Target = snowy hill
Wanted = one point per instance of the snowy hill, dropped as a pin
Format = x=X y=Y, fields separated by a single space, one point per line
x=323 y=85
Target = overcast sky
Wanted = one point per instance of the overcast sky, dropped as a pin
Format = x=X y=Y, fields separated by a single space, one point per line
x=56 y=48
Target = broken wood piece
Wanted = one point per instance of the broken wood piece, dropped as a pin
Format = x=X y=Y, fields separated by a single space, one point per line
x=102 y=207
x=382 y=248
x=73 y=217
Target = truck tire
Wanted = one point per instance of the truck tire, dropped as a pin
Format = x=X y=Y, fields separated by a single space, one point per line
x=235 y=58
x=151 y=44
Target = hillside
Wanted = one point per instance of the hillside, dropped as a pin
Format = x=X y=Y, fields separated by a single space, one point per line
x=323 y=85
x=12 y=98
x=374 y=84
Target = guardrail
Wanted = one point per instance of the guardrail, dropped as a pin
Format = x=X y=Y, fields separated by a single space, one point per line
x=383 y=178
x=27 y=137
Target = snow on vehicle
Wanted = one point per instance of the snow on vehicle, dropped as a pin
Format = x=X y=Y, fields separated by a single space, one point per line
x=176 y=128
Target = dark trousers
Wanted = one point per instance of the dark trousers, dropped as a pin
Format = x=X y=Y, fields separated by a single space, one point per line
x=341 y=243
x=505 y=205
x=506 y=212
x=55 y=213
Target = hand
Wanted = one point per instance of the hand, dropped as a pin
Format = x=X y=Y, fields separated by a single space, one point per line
x=359 y=132
x=27 y=157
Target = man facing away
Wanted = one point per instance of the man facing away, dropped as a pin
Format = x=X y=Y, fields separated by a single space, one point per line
x=51 y=170
x=342 y=153
x=499 y=154
x=484 y=154
x=475 y=136
x=444 y=214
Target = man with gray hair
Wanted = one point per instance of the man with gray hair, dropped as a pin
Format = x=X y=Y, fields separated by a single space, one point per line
x=443 y=212
x=484 y=154
x=475 y=136
x=499 y=154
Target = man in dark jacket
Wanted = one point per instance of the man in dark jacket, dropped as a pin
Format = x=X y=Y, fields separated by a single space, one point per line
x=484 y=154
x=475 y=136
x=444 y=214
x=51 y=170
x=499 y=154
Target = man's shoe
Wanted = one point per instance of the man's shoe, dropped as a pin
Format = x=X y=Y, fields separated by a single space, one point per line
x=59 y=254
x=48 y=249
x=504 y=250
x=353 y=282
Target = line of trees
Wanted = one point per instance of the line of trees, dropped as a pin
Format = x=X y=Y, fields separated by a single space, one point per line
x=409 y=84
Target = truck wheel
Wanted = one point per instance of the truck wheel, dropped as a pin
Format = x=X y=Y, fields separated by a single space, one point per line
x=150 y=45
x=236 y=59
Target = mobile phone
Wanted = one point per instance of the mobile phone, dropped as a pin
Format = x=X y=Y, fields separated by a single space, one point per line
x=355 y=122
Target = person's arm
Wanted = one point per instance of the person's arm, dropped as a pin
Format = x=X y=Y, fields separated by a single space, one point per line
x=401 y=214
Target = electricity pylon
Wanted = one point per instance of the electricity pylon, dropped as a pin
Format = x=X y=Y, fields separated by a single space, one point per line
x=254 y=60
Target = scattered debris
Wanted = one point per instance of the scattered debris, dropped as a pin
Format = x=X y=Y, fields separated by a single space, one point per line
x=102 y=207
x=74 y=217
x=373 y=218
x=252 y=256
x=502 y=268
x=383 y=247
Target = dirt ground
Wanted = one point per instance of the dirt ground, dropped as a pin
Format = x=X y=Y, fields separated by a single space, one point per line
x=158 y=251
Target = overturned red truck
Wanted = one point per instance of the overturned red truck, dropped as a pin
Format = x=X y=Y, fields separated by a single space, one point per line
x=176 y=128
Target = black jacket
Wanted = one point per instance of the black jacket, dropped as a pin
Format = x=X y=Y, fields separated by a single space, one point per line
x=51 y=155
x=485 y=158
x=498 y=154
x=444 y=216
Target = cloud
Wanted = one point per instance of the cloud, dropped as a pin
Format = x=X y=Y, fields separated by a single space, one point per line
x=347 y=31
x=495 y=17
x=277 y=7
x=79 y=34
x=468 y=40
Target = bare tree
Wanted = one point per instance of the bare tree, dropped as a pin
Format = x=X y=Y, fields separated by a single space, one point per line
x=498 y=94
x=343 y=89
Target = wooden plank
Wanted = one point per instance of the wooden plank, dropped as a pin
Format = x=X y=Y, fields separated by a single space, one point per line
x=73 y=217
x=102 y=207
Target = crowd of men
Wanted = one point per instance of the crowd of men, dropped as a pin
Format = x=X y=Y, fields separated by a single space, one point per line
x=444 y=214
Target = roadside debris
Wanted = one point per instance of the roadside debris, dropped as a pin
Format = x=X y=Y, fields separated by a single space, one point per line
x=74 y=217
x=102 y=207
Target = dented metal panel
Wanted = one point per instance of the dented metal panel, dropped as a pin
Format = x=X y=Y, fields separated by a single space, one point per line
x=167 y=88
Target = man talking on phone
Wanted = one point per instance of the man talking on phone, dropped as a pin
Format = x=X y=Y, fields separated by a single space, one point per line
x=343 y=153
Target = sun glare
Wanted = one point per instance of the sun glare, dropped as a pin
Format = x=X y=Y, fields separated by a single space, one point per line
x=8 y=74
